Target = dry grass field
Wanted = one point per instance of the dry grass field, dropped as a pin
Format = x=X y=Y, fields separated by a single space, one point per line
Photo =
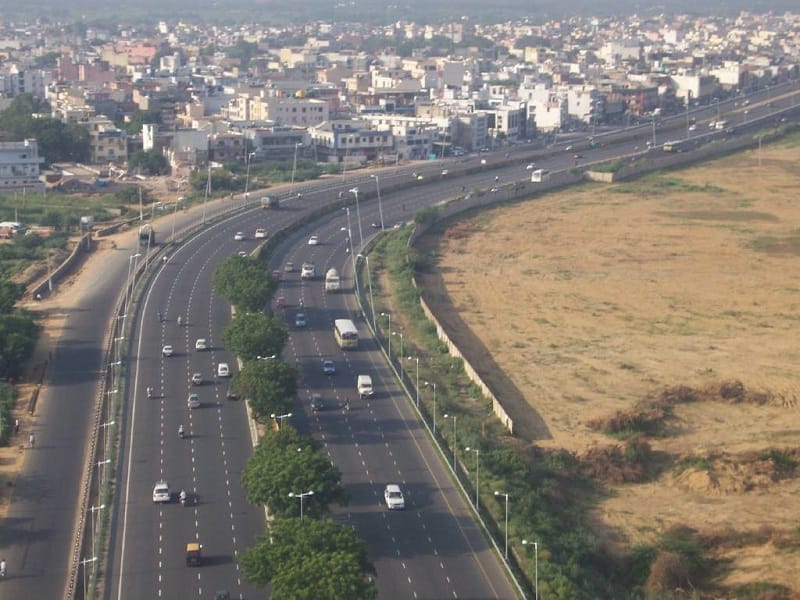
x=594 y=298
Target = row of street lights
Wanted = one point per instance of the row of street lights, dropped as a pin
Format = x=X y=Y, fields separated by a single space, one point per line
x=504 y=495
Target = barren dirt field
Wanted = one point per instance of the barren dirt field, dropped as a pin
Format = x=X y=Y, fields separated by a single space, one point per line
x=594 y=298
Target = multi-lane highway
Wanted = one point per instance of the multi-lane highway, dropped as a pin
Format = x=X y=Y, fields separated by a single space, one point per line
x=38 y=532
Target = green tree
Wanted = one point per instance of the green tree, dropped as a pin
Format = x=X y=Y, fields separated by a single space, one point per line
x=284 y=462
x=134 y=123
x=18 y=334
x=10 y=293
x=320 y=576
x=290 y=539
x=149 y=162
x=250 y=335
x=241 y=280
x=269 y=385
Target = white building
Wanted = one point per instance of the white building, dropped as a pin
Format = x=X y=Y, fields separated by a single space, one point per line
x=19 y=166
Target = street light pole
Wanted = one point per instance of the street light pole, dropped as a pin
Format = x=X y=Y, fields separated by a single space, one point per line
x=350 y=241
x=250 y=156
x=536 y=562
x=455 y=452
x=505 y=495
x=434 y=405
x=294 y=164
x=477 y=452
x=93 y=509
x=389 y=337
x=400 y=333
x=83 y=563
x=358 y=217
x=280 y=419
x=301 y=496
x=416 y=358
x=371 y=298
x=378 y=188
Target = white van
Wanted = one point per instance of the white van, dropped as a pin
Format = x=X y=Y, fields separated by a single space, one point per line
x=223 y=370
x=364 y=386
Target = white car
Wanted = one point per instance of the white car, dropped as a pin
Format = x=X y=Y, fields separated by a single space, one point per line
x=161 y=492
x=308 y=271
x=193 y=401
x=167 y=350
x=300 y=320
x=223 y=370
x=197 y=378
x=260 y=233
x=531 y=166
x=328 y=367
x=313 y=241
x=201 y=344
x=238 y=236
x=394 y=497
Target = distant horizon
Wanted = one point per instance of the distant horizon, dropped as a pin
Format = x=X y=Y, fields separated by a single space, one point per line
x=368 y=11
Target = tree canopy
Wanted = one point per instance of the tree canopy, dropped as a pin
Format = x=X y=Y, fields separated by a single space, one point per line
x=241 y=280
x=269 y=385
x=284 y=462
x=250 y=335
x=149 y=162
x=290 y=540
x=58 y=141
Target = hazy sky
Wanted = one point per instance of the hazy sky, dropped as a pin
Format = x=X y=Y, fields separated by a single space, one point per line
x=371 y=10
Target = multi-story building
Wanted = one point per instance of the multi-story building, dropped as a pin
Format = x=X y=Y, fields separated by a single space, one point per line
x=339 y=141
x=19 y=166
x=107 y=144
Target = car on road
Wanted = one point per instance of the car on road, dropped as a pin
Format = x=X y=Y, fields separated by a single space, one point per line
x=530 y=166
x=394 y=497
x=375 y=225
x=201 y=344
x=280 y=302
x=242 y=254
x=193 y=401
x=238 y=236
x=445 y=172
x=161 y=492
x=223 y=370
x=300 y=320
x=328 y=367
x=167 y=350
x=494 y=189
x=313 y=241
x=568 y=148
x=260 y=234
x=197 y=379
x=399 y=225
x=316 y=403
x=309 y=271
x=577 y=156
x=288 y=267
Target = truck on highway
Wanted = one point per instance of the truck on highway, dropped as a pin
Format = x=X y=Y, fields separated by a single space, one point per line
x=147 y=235
x=270 y=202
x=332 y=281
x=676 y=146
x=540 y=175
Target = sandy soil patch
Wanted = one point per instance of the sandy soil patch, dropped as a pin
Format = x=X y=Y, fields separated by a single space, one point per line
x=595 y=297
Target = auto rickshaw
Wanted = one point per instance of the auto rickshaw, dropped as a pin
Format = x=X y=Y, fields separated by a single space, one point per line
x=194 y=554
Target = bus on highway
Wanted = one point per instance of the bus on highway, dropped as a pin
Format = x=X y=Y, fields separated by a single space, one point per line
x=346 y=334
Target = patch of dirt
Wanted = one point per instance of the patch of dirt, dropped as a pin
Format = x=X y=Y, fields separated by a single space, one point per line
x=594 y=298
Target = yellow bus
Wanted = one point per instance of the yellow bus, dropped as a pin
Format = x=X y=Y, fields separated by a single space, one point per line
x=346 y=334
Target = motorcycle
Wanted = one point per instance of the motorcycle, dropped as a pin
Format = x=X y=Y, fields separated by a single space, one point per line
x=149 y=392
x=181 y=433
x=180 y=321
